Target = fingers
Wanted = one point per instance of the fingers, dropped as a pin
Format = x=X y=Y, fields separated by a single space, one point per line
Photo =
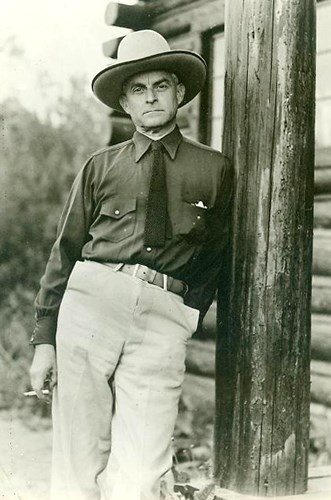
x=40 y=391
x=43 y=371
x=53 y=378
x=43 y=397
x=38 y=378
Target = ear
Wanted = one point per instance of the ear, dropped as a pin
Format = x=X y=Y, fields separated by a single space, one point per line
x=180 y=93
x=124 y=102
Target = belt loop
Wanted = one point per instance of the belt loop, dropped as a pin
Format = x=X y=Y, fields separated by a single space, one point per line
x=118 y=267
x=135 y=271
x=165 y=282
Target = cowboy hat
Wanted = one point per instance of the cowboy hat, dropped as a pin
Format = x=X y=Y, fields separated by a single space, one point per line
x=147 y=50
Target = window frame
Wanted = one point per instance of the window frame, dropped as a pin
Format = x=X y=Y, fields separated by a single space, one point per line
x=206 y=102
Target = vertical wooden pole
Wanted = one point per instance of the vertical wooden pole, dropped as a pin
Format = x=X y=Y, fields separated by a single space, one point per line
x=262 y=365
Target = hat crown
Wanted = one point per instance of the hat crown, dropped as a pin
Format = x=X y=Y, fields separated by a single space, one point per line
x=140 y=44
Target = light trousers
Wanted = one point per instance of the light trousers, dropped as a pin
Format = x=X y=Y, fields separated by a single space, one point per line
x=121 y=345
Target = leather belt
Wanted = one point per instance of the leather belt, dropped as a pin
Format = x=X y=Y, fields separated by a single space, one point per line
x=151 y=276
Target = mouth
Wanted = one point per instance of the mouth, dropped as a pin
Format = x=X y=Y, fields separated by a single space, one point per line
x=153 y=111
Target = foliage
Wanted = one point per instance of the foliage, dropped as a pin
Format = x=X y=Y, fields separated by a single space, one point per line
x=39 y=159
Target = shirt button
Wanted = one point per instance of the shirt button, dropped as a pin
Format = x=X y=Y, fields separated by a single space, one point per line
x=148 y=249
x=116 y=212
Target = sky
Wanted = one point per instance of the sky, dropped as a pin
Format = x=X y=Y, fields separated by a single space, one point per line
x=48 y=41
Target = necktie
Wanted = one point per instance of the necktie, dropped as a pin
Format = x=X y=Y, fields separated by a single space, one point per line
x=156 y=213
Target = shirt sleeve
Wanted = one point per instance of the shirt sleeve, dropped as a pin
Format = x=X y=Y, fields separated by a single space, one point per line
x=210 y=256
x=72 y=233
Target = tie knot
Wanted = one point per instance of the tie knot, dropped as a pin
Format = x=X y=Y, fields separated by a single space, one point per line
x=156 y=145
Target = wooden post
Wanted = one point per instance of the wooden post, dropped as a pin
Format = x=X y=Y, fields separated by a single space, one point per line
x=262 y=354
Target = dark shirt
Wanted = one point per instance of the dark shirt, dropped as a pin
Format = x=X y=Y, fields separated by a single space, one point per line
x=103 y=220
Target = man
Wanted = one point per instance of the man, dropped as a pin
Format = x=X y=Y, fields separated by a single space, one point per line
x=137 y=255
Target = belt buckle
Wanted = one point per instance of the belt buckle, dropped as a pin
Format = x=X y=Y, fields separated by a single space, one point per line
x=145 y=273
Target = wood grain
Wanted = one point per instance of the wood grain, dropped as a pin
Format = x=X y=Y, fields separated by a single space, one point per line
x=263 y=345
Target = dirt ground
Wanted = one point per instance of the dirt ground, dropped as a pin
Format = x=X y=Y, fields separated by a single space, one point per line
x=25 y=457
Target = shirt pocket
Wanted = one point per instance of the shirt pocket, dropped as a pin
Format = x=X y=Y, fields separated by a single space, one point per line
x=193 y=220
x=118 y=218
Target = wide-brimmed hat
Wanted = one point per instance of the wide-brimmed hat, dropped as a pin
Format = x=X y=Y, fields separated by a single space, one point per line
x=147 y=50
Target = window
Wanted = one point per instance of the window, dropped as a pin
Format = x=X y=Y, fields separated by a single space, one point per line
x=323 y=76
x=212 y=105
x=217 y=96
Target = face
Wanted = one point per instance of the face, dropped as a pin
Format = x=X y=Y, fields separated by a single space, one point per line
x=152 y=99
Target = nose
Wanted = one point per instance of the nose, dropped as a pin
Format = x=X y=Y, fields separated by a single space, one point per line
x=151 y=96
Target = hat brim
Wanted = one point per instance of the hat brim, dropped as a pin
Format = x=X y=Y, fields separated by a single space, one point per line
x=189 y=67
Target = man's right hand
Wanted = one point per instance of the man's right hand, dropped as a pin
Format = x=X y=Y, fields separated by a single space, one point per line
x=43 y=367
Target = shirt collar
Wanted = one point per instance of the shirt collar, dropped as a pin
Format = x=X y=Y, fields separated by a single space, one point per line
x=170 y=142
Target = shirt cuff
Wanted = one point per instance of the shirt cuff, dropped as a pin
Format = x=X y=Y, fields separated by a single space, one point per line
x=44 y=331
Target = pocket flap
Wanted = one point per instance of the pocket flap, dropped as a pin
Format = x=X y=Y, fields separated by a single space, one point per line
x=118 y=207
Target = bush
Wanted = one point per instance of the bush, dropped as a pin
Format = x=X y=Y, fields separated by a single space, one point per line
x=39 y=160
